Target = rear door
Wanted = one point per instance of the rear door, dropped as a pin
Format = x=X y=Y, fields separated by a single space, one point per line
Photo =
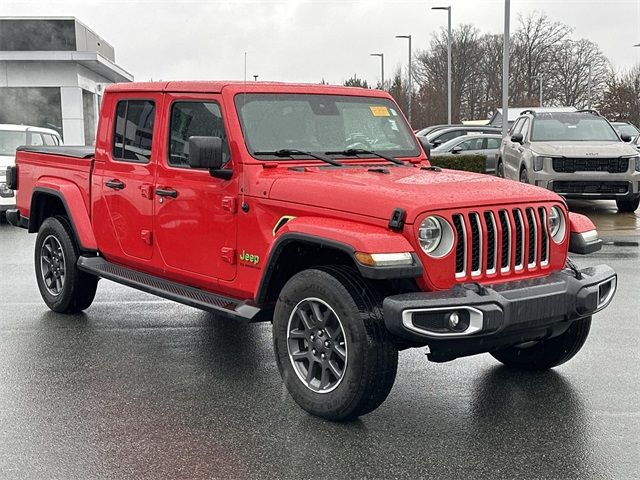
x=195 y=223
x=127 y=177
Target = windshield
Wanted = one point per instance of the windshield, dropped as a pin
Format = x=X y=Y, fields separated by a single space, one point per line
x=323 y=123
x=627 y=129
x=572 y=127
x=10 y=140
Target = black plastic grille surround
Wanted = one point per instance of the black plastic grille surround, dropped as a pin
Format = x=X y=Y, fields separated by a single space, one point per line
x=572 y=165
x=588 y=187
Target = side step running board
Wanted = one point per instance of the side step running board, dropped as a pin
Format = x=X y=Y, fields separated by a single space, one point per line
x=191 y=296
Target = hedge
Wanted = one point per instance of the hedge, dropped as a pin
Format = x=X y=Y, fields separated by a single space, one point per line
x=468 y=163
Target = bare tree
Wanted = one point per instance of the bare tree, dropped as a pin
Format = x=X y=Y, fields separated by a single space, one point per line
x=621 y=99
x=570 y=73
x=534 y=44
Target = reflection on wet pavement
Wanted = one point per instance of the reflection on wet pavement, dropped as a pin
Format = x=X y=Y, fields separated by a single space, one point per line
x=605 y=216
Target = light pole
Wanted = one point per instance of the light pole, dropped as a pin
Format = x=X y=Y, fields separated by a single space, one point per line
x=408 y=37
x=255 y=78
x=540 y=80
x=448 y=9
x=505 y=70
x=589 y=81
x=381 y=55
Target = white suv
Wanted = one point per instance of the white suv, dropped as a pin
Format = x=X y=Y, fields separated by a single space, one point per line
x=11 y=137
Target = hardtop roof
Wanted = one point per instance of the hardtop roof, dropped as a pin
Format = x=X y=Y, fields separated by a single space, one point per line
x=240 y=86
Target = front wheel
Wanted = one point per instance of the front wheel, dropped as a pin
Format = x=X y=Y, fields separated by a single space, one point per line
x=546 y=354
x=628 y=206
x=500 y=169
x=524 y=176
x=332 y=349
x=63 y=287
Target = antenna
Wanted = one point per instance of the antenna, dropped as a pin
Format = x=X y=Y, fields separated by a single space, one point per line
x=244 y=204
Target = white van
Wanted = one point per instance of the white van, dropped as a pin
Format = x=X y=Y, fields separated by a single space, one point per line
x=11 y=137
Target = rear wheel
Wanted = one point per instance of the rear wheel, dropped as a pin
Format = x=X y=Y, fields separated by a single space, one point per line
x=548 y=353
x=63 y=287
x=625 y=205
x=332 y=349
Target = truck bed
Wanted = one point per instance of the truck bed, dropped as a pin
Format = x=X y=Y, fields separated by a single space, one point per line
x=46 y=168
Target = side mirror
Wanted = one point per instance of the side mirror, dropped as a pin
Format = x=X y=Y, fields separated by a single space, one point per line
x=205 y=152
x=456 y=149
x=625 y=137
x=426 y=146
x=517 y=138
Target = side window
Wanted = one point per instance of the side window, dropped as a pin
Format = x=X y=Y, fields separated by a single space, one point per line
x=471 y=144
x=49 y=140
x=493 y=143
x=445 y=137
x=35 y=139
x=516 y=126
x=193 y=119
x=525 y=128
x=133 y=133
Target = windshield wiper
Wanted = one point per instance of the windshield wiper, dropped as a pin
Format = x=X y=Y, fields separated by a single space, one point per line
x=290 y=152
x=352 y=152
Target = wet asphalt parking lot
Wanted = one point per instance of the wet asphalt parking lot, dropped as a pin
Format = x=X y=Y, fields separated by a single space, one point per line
x=138 y=387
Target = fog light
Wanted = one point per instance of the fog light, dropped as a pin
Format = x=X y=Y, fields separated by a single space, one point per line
x=454 y=320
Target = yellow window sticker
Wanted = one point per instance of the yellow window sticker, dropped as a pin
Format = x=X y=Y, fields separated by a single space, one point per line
x=380 y=111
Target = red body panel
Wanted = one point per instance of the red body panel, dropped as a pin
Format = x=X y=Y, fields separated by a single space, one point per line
x=204 y=237
x=580 y=223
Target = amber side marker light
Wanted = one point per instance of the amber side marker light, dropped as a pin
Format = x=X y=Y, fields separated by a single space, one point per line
x=384 y=259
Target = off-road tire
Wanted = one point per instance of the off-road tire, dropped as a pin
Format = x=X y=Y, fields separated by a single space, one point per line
x=372 y=358
x=78 y=288
x=628 y=206
x=549 y=353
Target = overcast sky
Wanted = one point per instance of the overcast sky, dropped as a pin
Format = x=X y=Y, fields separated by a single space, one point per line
x=306 y=41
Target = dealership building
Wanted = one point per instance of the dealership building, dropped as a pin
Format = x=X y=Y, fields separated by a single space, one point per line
x=53 y=72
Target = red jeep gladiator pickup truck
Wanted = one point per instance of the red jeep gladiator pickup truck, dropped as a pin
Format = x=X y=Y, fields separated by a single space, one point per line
x=315 y=208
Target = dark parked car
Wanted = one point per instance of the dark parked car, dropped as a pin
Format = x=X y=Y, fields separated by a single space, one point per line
x=486 y=144
x=440 y=136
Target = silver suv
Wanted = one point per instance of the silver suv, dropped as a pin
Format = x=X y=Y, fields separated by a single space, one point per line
x=575 y=154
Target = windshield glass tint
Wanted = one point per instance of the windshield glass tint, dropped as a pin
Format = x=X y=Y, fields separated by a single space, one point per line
x=10 y=140
x=572 y=127
x=322 y=123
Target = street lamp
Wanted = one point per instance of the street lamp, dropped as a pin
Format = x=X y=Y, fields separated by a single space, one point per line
x=539 y=77
x=448 y=9
x=505 y=70
x=589 y=81
x=381 y=55
x=408 y=37
x=255 y=78
x=637 y=45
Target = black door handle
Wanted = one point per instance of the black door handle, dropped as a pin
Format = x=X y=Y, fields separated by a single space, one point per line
x=166 y=192
x=115 y=184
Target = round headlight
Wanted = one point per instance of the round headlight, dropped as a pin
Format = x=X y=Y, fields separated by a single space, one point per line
x=430 y=234
x=556 y=224
x=435 y=236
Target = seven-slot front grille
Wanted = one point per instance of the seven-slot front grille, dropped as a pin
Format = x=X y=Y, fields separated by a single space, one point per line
x=572 y=165
x=505 y=240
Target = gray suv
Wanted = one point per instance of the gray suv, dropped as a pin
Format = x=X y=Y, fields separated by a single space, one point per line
x=575 y=154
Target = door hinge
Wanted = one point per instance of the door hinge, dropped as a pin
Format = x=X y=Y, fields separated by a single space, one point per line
x=228 y=255
x=147 y=236
x=230 y=204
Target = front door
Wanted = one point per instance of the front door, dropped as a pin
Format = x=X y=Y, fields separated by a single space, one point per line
x=126 y=177
x=195 y=214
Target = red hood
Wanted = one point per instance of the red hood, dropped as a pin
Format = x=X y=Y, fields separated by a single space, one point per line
x=356 y=190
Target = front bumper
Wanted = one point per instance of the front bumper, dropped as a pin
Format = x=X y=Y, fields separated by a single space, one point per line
x=597 y=185
x=498 y=315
